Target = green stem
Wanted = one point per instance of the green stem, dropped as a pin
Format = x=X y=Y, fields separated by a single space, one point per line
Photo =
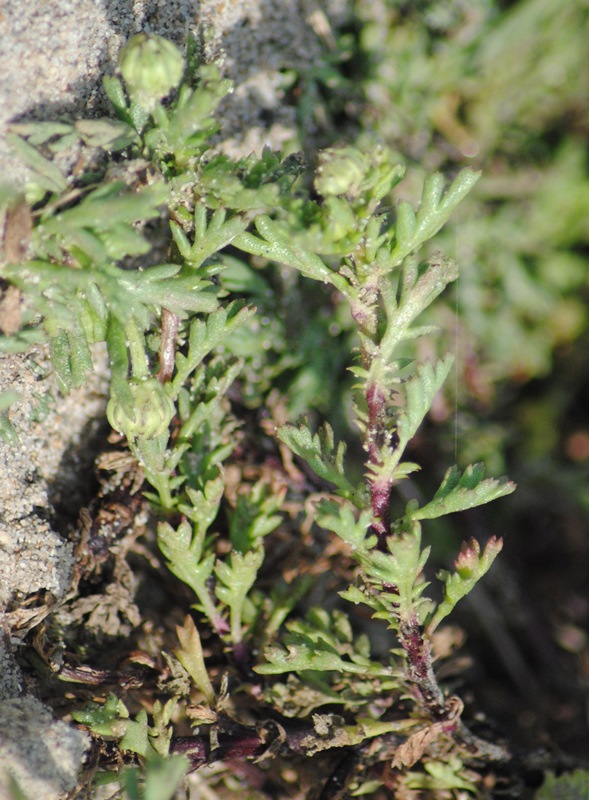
x=136 y=343
x=151 y=455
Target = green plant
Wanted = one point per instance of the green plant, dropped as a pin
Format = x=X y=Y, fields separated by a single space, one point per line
x=437 y=89
x=132 y=250
x=569 y=786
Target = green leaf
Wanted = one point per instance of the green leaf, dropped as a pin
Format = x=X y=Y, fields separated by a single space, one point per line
x=106 y=134
x=47 y=174
x=71 y=359
x=321 y=455
x=322 y=642
x=343 y=520
x=7 y=398
x=191 y=122
x=569 y=786
x=213 y=236
x=162 y=778
x=470 y=567
x=38 y=132
x=112 y=203
x=109 y=719
x=237 y=575
x=283 y=598
x=190 y=655
x=302 y=652
x=187 y=559
x=393 y=581
x=420 y=391
x=206 y=335
x=448 y=774
x=116 y=94
x=412 y=230
x=122 y=240
x=402 y=569
x=8 y=432
x=405 y=225
x=460 y=492
x=136 y=735
x=276 y=245
x=255 y=515
x=420 y=293
x=178 y=293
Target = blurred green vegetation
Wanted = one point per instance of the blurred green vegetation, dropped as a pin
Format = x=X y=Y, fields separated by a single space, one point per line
x=458 y=83
x=502 y=87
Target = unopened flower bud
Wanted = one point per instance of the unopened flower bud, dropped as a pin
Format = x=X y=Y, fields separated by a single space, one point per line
x=151 y=67
x=341 y=171
x=148 y=416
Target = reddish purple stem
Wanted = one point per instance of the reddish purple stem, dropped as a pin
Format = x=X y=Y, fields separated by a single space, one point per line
x=380 y=489
x=247 y=744
x=421 y=671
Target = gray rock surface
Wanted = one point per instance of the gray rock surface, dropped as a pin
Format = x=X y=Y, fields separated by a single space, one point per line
x=39 y=470
x=40 y=754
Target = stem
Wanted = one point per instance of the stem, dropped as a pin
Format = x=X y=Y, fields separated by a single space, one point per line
x=365 y=314
x=421 y=671
x=238 y=742
x=170 y=327
x=235 y=740
x=197 y=749
x=235 y=624
x=381 y=485
x=481 y=748
x=151 y=455
x=136 y=345
x=218 y=623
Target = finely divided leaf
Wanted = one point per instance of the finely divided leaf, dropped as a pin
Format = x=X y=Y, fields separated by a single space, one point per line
x=420 y=392
x=460 y=492
x=237 y=575
x=47 y=175
x=321 y=455
x=413 y=229
x=277 y=246
x=470 y=567
x=341 y=519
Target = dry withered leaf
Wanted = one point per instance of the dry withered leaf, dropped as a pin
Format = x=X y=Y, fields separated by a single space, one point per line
x=16 y=235
x=18 y=225
x=410 y=752
x=10 y=310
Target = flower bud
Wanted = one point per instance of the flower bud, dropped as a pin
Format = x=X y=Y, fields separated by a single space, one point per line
x=149 y=413
x=151 y=67
x=341 y=171
x=471 y=564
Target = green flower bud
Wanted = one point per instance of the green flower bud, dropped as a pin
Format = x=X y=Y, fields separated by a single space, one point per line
x=151 y=67
x=149 y=413
x=341 y=170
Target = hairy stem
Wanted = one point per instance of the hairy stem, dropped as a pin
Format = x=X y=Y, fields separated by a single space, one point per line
x=421 y=671
x=380 y=486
